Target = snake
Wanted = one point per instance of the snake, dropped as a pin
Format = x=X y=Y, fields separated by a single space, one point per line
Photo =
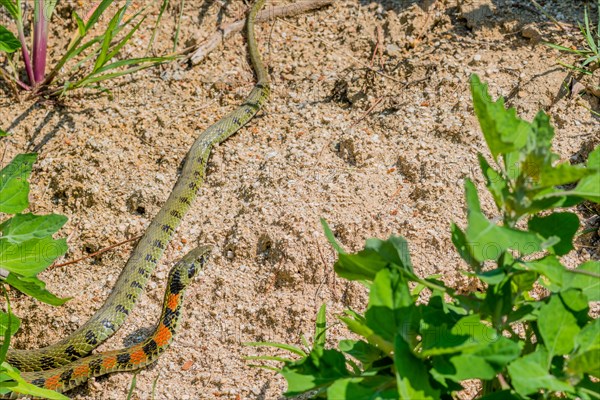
x=71 y=352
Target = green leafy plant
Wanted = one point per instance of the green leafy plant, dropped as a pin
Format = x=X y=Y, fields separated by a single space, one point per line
x=527 y=334
x=589 y=54
x=87 y=60
x=26 y=249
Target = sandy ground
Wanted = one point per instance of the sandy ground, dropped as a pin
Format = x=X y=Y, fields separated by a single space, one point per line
x=376 y=145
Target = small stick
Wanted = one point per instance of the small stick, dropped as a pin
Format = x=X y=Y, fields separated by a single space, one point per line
x=104 y=250
x=378 y=50
x=369 y=111
x=215 y=39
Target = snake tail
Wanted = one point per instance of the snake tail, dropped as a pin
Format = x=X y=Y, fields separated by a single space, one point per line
x=146 y=254
x=137 y=356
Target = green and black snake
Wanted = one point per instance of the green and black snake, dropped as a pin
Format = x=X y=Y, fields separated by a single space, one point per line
x=66 y=364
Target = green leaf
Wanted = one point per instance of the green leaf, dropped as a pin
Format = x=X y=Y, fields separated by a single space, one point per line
x=108 y=37
x=23 y=227
x=80 y=24
x=367 y=388
x=589 y=282
x=361 y=350
x=469 y=334
x=561 y=174
x=504 y=132
x=320 y=328
x=4 y=323
x=587 y=362
x=12 y=9
x=35 y=288
x=97 y=13
x=494 y=182
x=588 y=188
x=563 y=225
x=589 y=337
x=32 y=256
x=550 y=267
x=331 y=237
x=530 y=374
x=21 y=386
x=3 y=133
x=8 y=42
x=558 y=327
x=462 y=246
x=319 y=369
x=412 y=377
x=391 y=307
x=14 y=188
x=486 y=240
x=282 y=346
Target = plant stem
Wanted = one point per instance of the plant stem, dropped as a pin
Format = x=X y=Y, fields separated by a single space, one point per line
x=26 y=58
x=40 y=41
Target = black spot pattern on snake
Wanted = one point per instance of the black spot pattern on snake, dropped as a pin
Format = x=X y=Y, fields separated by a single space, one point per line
x=47 y=362
x=91 y=338
x=167 y=228
x=185 y=200
x=123 y=358
x=169 y=318
x=176 y=286
x=39 y=382
x=109 y=325
x=151 y=259
x=176 y=214
x=95 y=366
x=121 y=309
x=158 y=244
x=72 y=352
x=150 y=347
x=136 y=284
x=65 y=377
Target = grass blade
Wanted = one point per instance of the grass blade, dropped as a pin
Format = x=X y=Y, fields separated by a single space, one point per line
x=124 y=41
x=269 y=358
x=163 y=6
x=282 y=346
x=108 y=37
x=176 y=39
x=320 y=328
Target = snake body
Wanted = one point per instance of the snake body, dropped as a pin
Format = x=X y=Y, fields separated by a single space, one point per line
x=138 y=356
x=142 y=262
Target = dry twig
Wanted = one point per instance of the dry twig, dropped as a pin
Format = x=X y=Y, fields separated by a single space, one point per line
x=200 y=52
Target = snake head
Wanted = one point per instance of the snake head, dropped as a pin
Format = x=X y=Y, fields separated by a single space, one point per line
x=194 y=261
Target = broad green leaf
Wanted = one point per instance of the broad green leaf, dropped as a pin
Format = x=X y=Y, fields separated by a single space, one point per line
x=391 y=307
x=563 y=225
x=494 y=182
x=463 y=366
x=3 y=133
x=360 y=327
x=320 y=328
x=367 y=388
x=35 y=288
x=593 y=161
x=412 y=377
x=462 y=246
x=21 y=386
x=558 y=327
x=8 y=42
x=504 y=132
x=588 y=188
x=23 y=227
x=486 y=240
x=394 y=250
x=550 y=267
x=587 y=362
x=588 y=280
x=4 y=322
x=331 y=238
x=469 y=334
x=501 y=395
x=361 y=350
x=561 y=174
x=530 y=374
x=14 y=188
x=589 y=337
x=30 y=257
x=319 y=369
